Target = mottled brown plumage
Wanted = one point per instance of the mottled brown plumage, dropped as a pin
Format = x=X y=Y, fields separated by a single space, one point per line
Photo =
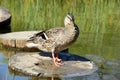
x=56 y=39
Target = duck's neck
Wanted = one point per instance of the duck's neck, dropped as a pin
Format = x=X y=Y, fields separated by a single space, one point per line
x=71 y=33
x=70 y=27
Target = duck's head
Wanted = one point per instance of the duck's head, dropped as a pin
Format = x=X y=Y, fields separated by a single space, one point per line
x=69 y=19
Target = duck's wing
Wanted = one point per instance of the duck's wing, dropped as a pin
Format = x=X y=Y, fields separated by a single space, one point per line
x=46 y=40
x=45 y=36
x=54 y=32
x=51 y=33
x=38 y=37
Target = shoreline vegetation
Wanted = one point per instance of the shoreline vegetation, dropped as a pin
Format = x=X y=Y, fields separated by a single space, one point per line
x=92 y=16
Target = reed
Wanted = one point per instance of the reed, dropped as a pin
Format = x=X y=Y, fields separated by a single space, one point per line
x=94 y=16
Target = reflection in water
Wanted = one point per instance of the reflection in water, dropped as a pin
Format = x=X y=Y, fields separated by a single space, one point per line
x=44 y=78
x=4 y=72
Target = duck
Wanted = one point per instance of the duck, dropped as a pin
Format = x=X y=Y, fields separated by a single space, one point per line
x=56 y=39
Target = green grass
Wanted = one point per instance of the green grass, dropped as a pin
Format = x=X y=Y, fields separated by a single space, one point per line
x=95 y=18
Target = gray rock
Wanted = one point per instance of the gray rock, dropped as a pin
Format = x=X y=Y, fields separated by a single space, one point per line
x=41 y=64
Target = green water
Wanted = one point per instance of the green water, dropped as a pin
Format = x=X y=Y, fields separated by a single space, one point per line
x=99 y=23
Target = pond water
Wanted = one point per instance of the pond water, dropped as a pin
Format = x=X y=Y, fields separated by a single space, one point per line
x=106 y=57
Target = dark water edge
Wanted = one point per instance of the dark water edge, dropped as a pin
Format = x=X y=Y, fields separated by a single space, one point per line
x=5 y=29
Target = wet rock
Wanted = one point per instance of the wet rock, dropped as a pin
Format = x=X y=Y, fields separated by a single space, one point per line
x=41 y=64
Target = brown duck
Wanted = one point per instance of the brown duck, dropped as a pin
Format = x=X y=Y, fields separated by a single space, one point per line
x=56 y=39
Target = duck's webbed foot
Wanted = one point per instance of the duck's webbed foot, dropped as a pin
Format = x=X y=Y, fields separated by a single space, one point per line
x=56 y=60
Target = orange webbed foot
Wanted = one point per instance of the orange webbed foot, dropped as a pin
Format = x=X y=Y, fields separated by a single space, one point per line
x=57 y=62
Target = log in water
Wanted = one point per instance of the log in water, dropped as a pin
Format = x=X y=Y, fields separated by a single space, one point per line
x=16 y=39
x=5 y=17
x=5 y=20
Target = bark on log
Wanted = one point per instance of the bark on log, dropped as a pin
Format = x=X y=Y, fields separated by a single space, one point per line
x=16 y=39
